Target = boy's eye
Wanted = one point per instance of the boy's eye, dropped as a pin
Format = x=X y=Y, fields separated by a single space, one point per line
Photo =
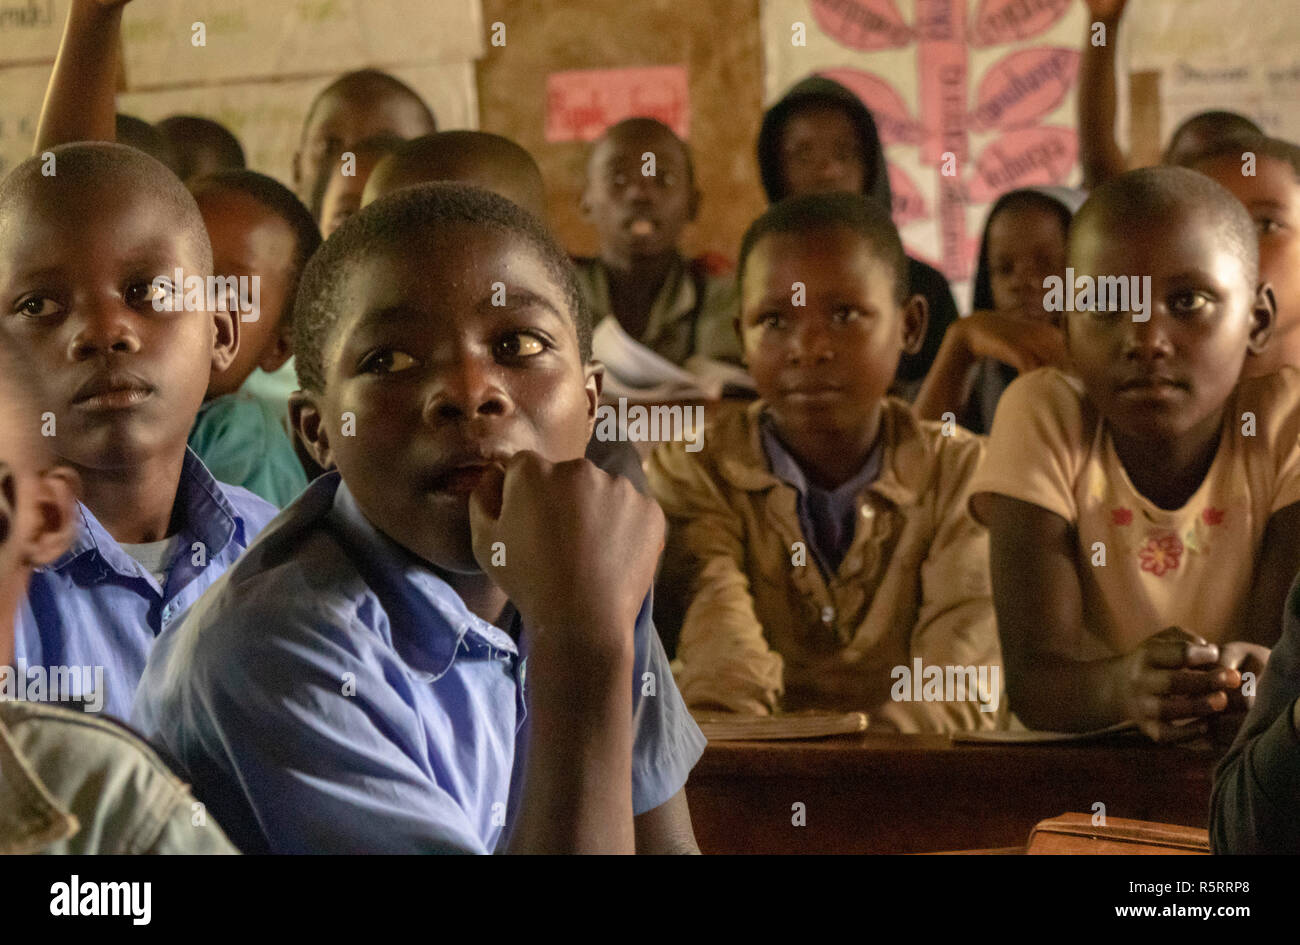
x=157 y=293
x=847 y=313
x=38 y=306
x=1267 y=226
x=387 y=362
x=520 y=344
x=1188 y=302
x=619 y=179
x=770 y=320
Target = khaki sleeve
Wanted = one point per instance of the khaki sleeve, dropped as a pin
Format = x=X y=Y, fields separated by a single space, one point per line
x=1279 y=420
x=723 y=658
x=1037 y=443
x=190 y=829
x=955 y=625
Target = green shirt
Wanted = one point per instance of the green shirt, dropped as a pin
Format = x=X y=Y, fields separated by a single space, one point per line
x=243 y=443
x=691 y=315
x=74 y=783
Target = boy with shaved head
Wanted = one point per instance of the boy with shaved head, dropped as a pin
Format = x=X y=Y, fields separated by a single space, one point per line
x=470 y=157
x=640 y=193
x=352 y=108
x=91 y=237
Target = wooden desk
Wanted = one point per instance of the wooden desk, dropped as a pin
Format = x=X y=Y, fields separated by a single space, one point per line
x=921 y=793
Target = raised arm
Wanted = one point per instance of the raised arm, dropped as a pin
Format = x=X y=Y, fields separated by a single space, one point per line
x=1099 y=152
x=80 y=104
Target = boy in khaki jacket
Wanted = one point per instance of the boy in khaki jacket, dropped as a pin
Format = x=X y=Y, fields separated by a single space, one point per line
x=820 y=542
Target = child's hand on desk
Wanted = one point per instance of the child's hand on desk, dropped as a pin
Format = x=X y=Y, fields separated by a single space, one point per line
x=1244 y=658
x=1174 y=677
x=581 y=548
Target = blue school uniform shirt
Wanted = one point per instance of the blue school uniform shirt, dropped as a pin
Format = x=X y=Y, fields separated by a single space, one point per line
x=332 y=694
x=96 y=606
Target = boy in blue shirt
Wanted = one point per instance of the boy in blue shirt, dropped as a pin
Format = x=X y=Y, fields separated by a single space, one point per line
x=90 y=239
x=432 y=649
x=69 y=782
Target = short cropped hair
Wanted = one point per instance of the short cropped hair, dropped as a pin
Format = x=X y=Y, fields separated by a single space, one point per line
x=1222 y=127
x=641 y=125
x=809 y=213
x=397 y=221
x=366 y=84
x=102 y=165
x=1262 y=146
x=504 y=166
x=190 y=135
x=1154 y=193
x=281 y=201
x=139 y=134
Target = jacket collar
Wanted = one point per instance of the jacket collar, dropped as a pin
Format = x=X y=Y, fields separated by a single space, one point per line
x=905 y=468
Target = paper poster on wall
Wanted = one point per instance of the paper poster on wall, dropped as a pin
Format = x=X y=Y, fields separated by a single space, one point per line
x=1167 y=32
x=582 y=103
x=169 y=42
x=972 y=98
x=20 y=107
x=30 y=30
x=267 y=116
x=1267 y=94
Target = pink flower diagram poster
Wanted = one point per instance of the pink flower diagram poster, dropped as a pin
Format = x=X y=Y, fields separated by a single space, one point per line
x=972 y=98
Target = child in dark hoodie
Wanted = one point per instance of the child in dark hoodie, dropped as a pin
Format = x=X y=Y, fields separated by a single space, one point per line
x=820 y=138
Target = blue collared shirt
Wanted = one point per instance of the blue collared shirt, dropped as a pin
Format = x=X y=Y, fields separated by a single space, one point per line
x=97 y=607
x=332 y=694
x=827 y=516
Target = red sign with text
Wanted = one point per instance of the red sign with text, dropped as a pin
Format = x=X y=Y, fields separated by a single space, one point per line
x=581 y=104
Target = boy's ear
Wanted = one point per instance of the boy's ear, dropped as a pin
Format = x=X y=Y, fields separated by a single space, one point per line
x=275 y=356
x=1263 y=318
x=595 y=381
x=56 y=517
x=306 y=418
x=225 y=339
x=916 y=314
x=295 y=170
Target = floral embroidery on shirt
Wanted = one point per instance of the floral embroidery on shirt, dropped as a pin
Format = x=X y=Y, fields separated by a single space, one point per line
x=1161 y=554
x=1121 y=516
x=1212 y=516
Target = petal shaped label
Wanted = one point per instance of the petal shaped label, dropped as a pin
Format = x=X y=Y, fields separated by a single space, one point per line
x=862 y=24
x=1005 y=21
x=1022 y=159
x=1021 y=88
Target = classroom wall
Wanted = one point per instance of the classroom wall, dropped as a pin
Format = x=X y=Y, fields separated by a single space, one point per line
x=718 y=42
